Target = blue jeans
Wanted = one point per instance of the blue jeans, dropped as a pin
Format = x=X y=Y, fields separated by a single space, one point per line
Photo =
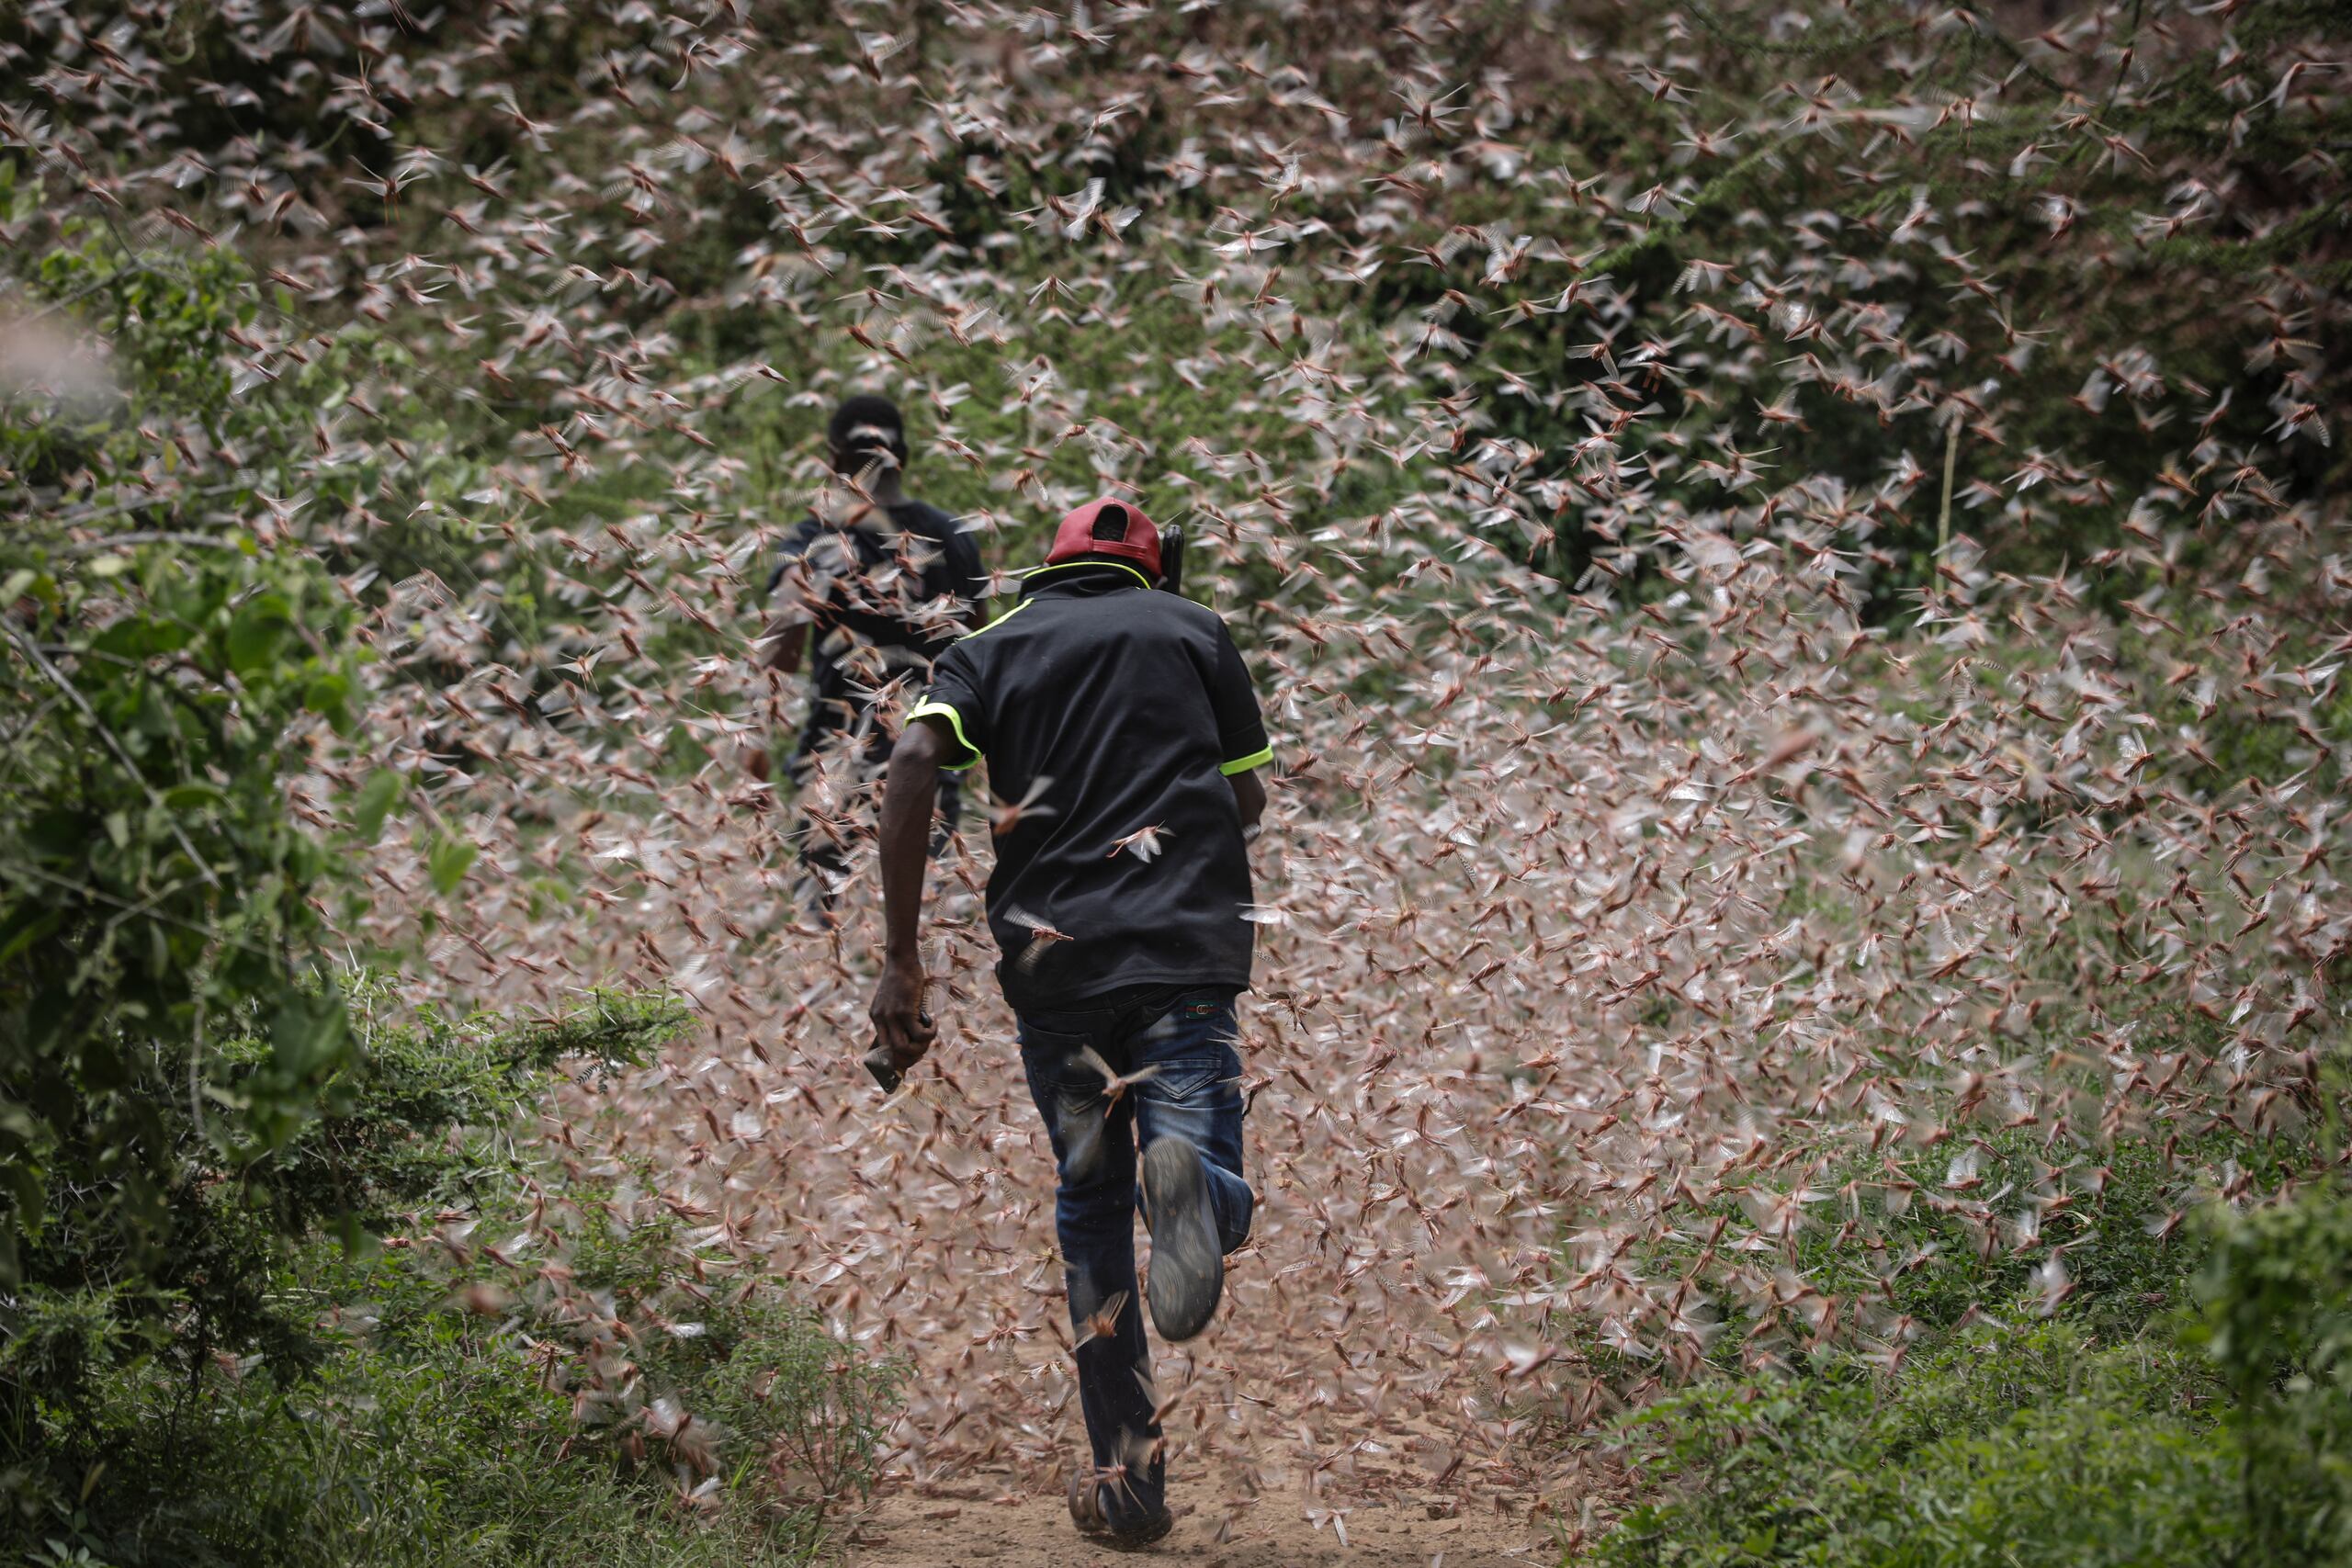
x=1194 y=1095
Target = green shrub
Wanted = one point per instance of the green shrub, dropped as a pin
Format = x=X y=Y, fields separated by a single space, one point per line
x=2218 y=1436
x=194 y=1108
x=2279 y=1289
x=166 y=1022
x=442 y=1399
x=162 y=683
x=2025 y=1441
x=437 y=1435
x=1892 y=1239
x=444 y=1434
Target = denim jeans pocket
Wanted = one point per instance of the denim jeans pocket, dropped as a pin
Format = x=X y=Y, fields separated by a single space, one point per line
x=1200 y=1077
x=1069 y=1095
x=1047 y=1048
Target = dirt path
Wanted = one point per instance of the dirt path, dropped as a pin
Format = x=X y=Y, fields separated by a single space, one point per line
x=1011 y=1529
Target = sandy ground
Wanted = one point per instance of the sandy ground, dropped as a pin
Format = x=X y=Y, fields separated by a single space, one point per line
x=1013 y=1528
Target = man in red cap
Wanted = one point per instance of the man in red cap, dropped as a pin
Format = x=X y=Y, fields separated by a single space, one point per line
x=1123 y=736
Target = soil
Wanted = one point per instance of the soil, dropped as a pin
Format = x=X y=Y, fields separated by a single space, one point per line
x=1014 y=1528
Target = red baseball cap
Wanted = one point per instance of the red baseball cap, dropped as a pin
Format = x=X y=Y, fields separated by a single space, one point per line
x=1108 y=527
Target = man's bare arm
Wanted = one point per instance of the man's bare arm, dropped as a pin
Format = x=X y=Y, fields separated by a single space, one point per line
x=1249 y=795
x=778 y=649
x=785 y=636
x=913 y=787
x=784 y=645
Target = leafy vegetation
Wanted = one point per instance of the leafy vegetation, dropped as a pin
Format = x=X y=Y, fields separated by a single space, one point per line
x=2279 y=1289
x=2142 y=1424
x=437 y=1395
x=239 y=1324
x=2027 y=1440
x=2211 y=1433
x=154 y=893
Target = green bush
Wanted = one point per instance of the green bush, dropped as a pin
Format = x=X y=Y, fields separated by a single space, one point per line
x=204 y=1356
x=441 y=1399
x=1889 y=1239
x=167 y=1028
x=2021 y=1440
x=2218 y=1435
x=81 y=1320
x=447 y=1435
x=2278 y=1285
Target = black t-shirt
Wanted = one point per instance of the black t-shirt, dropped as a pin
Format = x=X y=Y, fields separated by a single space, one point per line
x=1113 y=715
x=893 y=588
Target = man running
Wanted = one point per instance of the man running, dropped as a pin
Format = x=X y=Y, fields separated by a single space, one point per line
x=884 y=583
x=1121 y=737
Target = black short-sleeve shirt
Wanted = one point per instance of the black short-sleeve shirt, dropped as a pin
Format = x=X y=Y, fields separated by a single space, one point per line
x=1114 y=716
x=902 y=581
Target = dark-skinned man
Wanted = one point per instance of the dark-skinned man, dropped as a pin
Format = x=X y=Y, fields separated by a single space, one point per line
x=1123 y=739
x=883 y=583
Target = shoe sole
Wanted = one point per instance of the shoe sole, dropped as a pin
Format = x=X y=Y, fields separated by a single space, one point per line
x=1187 y=1264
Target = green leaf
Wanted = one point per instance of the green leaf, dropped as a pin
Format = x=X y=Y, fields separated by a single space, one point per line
x=194 y=795
x=448 y=864
x=310 y=1032
x=358 y=1242
x=133 y=637
x=256 y=631
x=328 y=697
x=375 y=803
x=28 y=1187
x=58 y=834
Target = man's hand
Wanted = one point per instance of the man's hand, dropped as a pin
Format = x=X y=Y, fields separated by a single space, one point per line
x=901 y=1028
